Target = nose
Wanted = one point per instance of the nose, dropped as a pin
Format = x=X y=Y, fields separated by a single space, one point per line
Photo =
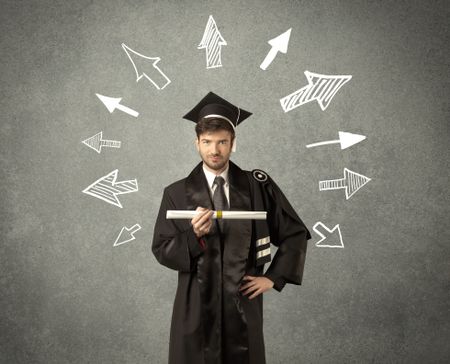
x=215 y=148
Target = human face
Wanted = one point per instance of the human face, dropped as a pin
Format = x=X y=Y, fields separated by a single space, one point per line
x=215 y=149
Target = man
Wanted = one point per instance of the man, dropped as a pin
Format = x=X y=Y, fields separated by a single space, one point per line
x=218 y=309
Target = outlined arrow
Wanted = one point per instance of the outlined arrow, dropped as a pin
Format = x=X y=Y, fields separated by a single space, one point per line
x=96 y=142
x=106 y=188
x=332 y=235
x=157 y=78
x=351 y=182
x=113 y=103
x=320 y=87
x=213 y=41
x=278 y=44
x=345 y=139
x=127 y=234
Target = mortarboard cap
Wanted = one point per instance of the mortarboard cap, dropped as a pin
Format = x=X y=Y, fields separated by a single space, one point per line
x=214 y=106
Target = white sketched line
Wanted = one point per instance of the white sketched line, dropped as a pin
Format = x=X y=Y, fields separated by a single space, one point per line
x=278 y=44
x=97 y=142
x=328 y=233
x=320 y=87
x=213 y=41
x=106 y=188
x=345 y=139
x=351 y=182
x=127 y=234
x=157 y=77
x=113 y=103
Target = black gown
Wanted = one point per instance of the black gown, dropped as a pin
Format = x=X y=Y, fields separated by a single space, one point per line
x=212 y=322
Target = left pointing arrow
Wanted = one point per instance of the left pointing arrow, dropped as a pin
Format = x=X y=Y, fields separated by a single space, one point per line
x=96 y=142
x=106 y=188
x=113 y=103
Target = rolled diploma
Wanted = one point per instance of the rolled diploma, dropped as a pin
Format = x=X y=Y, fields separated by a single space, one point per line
x=225 y=215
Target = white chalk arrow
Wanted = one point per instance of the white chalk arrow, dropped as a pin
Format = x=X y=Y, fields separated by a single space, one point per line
x=346 y=140
x=154 y=75
x=213 y=41
x=331 y=234
x=127 y=234
x=351 y=182
x=106 y=188
x=279 y=44
x=96 y=142
x=113 y=103
x=320 y=87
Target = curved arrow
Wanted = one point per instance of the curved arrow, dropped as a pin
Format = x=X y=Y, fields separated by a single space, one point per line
x=345 y=139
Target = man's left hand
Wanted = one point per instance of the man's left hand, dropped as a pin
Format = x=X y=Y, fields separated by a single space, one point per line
x=257 y=285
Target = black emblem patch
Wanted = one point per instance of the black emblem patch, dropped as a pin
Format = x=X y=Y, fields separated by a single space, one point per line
x=259 y=175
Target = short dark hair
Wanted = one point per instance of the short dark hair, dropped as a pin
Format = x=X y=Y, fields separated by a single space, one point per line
x=211 y=125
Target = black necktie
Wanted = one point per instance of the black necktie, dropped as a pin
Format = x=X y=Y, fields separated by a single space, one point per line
x=220 y=199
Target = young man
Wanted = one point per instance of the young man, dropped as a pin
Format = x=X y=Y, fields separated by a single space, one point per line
x=218 y=309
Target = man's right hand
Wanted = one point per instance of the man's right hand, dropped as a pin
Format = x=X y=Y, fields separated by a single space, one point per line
x=202 y=222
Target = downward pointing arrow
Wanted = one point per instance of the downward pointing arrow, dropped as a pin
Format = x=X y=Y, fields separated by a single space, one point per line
x=279 y=44
x=331 y=234
x=127 y=234
x=346 y=140
x=113 y=103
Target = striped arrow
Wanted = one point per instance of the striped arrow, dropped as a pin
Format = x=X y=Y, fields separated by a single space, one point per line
x=345 y=139
x=351 y=182
x=96 y=142
x=320 y=87
x=213 y=41
x=106 y=188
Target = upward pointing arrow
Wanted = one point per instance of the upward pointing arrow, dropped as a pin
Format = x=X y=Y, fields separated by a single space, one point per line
x=213 y=41
x=113 y=103
x=279 y=44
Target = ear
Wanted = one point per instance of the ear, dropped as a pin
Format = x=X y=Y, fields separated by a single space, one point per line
x=196 y=142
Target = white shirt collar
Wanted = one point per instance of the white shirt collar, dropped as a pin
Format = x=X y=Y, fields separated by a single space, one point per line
x=210 y=176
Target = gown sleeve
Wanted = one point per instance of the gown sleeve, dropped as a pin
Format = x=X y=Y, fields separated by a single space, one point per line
x=174 y=245
x=289 y=234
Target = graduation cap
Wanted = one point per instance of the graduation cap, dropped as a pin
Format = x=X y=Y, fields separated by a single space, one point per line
x=214 y=106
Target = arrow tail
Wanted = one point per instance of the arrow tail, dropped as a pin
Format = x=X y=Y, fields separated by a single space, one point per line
x=322 y=143
x=128 y=110
x=269 y=58
x=110 y=143
x=332 y=184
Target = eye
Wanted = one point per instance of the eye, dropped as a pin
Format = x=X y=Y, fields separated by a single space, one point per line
x=205 y=142
x=223 y=141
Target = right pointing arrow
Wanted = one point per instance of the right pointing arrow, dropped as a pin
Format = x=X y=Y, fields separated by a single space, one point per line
x=345 y=139
x=351 y=182
x=331 y=234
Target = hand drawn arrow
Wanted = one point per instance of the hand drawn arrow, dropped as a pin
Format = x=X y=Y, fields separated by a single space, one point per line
x=346 y=140
x=320 y=87
x=351 y=182
x=96 y=142
x=127 y=234
x=279 y=44
x=113 y=103
x=213 y=41
x=157 y=78
x=332 y=234
x=106 y=188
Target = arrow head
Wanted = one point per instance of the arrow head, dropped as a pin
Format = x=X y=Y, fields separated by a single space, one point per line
x=111 y=103
x=94 y=142
x=349 y=139
x=354 y=181
x=281 y=42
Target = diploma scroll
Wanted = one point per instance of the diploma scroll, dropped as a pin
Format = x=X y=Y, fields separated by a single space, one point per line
x=225 y=215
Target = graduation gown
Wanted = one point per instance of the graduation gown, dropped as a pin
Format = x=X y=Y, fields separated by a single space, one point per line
x=212 y=322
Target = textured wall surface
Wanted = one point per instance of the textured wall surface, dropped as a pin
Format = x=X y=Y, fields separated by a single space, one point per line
x=68 y=296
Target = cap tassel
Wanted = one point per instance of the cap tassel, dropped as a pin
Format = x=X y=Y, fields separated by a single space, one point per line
x=233 y=148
